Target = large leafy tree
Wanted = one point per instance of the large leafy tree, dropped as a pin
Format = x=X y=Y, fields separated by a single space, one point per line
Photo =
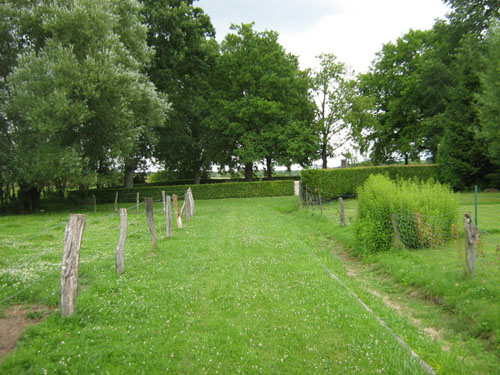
x=333 y=91
x=265 y=113
x=77 y=99
x=185 y=56
x=489 y=99
x=395 y=81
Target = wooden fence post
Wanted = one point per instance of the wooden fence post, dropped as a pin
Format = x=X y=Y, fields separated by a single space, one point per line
x=471 y=236
x=116 y=202
x=187 y=203
x=137 y=204
x=169 y=218
x=300 y=194
x=320 y=203
x=151 y=221
x=342 y=213
x=164 y=207
x=94 y=202
x=191 y=201
x=177 y=212
x=70 y=262
x=120 y=248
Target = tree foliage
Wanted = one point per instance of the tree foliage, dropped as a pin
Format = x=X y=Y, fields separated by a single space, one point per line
x=186 y=52
x=489 y=98
x=77 y=99
x=265 y=111
x=333 y=94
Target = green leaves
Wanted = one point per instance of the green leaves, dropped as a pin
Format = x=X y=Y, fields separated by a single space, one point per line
x=489 y=99
x=78 y=96
x=263 y=96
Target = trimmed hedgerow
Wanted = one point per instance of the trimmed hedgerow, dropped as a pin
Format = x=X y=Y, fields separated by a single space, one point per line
x=333 y=183
x=423 y=214
x=209 y=191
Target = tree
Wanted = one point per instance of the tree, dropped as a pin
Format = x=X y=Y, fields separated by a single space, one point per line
x=265 y=111
x=77 y=100
x=185 y=57
x=333 y=92
x=395 y=81
x=489 y=97
x=473 y=15
x=462 y=157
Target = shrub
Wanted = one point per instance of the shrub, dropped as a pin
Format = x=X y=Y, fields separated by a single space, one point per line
x=209 y=191
x=333 y=183
x=423 y=211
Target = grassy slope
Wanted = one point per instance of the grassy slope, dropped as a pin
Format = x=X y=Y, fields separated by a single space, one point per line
x=438 y=275
x=240 y=290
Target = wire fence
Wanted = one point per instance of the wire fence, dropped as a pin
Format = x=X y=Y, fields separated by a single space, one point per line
x=414 y=230
x=32 y=263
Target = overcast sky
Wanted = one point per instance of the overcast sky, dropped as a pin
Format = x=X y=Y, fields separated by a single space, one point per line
x=353 y=30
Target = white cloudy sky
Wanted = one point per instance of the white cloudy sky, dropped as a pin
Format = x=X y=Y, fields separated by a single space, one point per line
x=353 y=30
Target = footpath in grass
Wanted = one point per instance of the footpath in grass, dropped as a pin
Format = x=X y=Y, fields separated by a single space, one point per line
x=241 y=289
x=431 y=282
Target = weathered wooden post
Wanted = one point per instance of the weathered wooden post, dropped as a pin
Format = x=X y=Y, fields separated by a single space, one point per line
x=177 y=212
x=187 y=203
x=120 y=248
x=342 y=213
x=116 y=202
x=191 y=201
x=471 y=236
x=94 y=202
x=70 y=262
x=164 y=207
x=137 y=204
x=397 y=237
x=169 y=218
x=151 y=221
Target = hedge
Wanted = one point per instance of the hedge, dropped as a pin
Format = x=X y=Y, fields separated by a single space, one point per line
x=204 y=181
x=333 y=183
x=209 y=191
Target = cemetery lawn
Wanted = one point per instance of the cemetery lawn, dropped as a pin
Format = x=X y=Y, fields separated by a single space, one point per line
x=243 y=288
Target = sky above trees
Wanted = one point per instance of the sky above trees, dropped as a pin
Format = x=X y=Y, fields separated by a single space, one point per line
x=354 y=30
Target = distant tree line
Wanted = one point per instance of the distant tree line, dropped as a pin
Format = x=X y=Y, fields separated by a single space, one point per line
x=92 y=89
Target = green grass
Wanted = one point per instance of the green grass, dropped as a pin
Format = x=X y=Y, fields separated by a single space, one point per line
x=473 y=305
x=241 y=289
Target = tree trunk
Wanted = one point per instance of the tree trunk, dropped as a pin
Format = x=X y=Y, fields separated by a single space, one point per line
x=29 y=199
x=249 y=172
x=269 y=168
x=129 y=174
x=196 y=176
x=324 y=156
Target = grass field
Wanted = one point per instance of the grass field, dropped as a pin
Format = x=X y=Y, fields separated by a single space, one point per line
x=241 y=289
x=438 y=274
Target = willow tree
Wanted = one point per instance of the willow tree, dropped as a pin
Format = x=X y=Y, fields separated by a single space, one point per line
x=78 y=97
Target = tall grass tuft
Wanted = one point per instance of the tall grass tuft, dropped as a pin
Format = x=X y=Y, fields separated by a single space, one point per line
x=423 y=213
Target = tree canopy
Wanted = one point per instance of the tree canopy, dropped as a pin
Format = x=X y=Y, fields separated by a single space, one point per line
x=77 y=100
x=265 y=112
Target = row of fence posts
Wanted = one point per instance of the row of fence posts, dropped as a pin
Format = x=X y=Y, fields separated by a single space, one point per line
x=74 y=234
x=472 y=233
x=309 y=201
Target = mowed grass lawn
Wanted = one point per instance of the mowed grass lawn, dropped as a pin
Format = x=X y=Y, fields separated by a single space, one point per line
x=241 y=289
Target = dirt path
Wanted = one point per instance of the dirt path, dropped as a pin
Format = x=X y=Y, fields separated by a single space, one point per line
x=14 y=323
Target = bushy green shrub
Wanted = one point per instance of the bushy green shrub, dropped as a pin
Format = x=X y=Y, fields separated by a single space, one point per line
x=333 y=183
x=209 y=191
x=423 y=213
